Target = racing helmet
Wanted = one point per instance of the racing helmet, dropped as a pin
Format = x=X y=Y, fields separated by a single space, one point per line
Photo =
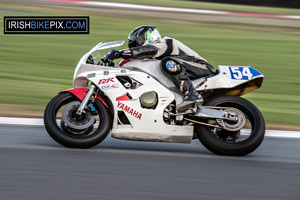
x=142 y=35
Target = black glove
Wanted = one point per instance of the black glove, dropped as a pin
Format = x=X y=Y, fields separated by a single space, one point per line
x=107 y=62
x=115 y=54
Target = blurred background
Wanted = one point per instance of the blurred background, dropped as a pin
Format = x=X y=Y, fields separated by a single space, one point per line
x=34 y=68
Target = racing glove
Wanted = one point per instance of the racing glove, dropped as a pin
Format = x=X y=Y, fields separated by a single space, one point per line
x=115 y=54
x=106 y=62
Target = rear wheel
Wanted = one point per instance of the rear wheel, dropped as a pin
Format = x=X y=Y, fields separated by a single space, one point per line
x=233 y=143
x=69 y=130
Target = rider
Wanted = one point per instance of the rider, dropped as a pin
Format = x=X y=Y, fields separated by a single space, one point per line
x=178 y=62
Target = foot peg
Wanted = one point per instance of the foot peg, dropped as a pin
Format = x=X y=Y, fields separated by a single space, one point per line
x=186 y=105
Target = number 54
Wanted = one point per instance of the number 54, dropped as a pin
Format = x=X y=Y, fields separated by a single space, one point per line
x=241 y=73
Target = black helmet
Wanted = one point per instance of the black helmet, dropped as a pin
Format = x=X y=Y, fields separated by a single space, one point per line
x=143 y=35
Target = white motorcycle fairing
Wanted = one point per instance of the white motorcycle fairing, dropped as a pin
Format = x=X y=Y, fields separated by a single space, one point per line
x=148 y=124
x=145 y=124
x=229 y=77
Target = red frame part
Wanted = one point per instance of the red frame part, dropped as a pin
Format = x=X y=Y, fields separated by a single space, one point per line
x=81 y=92
x=123 y=62
x=123 y=98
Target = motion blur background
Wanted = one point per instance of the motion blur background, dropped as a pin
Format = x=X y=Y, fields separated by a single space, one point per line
x=34 y=68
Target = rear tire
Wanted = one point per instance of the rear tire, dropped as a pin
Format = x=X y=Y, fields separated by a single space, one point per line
x=63 y=136
x=219 y=146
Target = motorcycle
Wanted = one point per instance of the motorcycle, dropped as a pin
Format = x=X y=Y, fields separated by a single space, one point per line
x=135 y=101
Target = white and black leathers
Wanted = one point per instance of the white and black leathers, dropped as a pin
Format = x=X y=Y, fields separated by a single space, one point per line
x=192 y=65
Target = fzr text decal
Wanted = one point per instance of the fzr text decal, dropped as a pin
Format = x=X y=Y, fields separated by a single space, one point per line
x=107 y=80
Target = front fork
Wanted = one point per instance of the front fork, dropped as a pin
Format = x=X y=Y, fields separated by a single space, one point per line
x=86 y=100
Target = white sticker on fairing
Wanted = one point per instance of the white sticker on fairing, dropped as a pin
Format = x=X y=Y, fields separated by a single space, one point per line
x=109 y=86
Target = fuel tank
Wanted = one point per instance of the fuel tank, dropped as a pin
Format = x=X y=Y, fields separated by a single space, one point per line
x=149 y=66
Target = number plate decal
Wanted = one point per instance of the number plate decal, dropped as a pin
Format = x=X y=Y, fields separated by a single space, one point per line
x=243 y=73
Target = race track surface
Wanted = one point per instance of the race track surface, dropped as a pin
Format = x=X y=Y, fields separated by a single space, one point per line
x=33 y=166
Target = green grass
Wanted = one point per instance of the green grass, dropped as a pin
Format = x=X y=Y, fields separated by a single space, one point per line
x=34 y=68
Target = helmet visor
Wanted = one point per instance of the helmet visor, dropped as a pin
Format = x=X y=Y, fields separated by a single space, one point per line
x=154 y=36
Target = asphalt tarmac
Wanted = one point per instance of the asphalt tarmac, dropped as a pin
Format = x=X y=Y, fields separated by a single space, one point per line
x=33 y=166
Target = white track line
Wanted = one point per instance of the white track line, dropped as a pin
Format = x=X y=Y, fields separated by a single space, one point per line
x=21 y=121
x=169 y=9
x=39 y=122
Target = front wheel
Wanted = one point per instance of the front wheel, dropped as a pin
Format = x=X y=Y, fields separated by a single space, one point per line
x=70 y=131
x=233 y=143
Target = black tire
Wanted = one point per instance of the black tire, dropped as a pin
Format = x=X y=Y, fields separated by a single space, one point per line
x=76 y=141
x=221 y=147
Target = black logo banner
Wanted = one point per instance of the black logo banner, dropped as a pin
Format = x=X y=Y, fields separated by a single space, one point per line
x=46 y=25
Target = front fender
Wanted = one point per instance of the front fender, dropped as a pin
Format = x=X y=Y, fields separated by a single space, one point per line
x=80 y=94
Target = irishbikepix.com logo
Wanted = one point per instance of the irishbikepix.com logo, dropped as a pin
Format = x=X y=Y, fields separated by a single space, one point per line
x=46 y=25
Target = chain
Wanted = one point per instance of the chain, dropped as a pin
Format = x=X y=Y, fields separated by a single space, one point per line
x=202 y=123
x=217 y=107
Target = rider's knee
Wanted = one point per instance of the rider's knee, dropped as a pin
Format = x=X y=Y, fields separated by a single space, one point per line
x=171 y=67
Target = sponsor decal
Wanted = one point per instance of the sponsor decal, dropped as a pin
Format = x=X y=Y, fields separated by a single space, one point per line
x=148 y=60
x=46 y=25
x=106 y=80
x=129 y=110
x=163 y=100
x=127 y=53
x=110 y=86
x=172 y=66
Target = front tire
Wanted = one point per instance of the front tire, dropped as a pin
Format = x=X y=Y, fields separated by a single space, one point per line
x=68 y=137
x=215 y=139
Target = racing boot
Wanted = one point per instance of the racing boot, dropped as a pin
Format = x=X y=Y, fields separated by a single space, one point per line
x=191 y=96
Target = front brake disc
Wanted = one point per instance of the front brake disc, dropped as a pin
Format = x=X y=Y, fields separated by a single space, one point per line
x=69 y=117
